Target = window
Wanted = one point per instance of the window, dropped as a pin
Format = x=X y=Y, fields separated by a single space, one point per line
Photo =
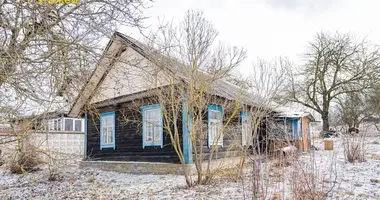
x=65 y=124
x=152 y=125
x=295 y=129
x=246 y=128
x=300 y=134
x=55 y=124
x=50 y=125
x=107 y=130
x=68 y=124
x=78 y=125
x=215 y=125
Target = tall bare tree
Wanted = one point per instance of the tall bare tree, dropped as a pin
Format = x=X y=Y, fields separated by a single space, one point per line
x=47 y=49
x=192 y=52
x=266 y=84
x=334 y=65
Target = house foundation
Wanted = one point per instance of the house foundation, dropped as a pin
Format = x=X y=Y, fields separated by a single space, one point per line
x=158 y=168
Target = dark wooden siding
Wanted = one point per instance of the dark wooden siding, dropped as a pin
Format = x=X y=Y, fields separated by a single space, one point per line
x=128 y=137
x=232 y=137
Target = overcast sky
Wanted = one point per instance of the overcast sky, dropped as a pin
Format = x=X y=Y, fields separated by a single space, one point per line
x=272 y=28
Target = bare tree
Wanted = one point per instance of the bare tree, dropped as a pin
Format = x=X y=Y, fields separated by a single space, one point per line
x=373 y=104
x=197 y=65
x=266 y=84
x=335 y=65
x=353 y=108
x=46 y=54
x=47 y=51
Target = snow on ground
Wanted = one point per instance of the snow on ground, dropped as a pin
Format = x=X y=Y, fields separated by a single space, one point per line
x=353 y=181
x=96 y=184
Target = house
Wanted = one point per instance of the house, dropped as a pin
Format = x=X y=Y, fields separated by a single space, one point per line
x=295 y=129
x=124 y=117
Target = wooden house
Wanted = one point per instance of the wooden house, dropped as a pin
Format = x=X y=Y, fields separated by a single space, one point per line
x=296 y=129
x=124 y=118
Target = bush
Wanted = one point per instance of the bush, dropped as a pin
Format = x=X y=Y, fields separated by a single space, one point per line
x=25 y=158
x=354 y=148
x=310 y=181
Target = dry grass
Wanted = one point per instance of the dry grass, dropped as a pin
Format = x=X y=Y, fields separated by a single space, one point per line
x=91 y=179
x=375 y=180
x=226 y=173
x=374 y=156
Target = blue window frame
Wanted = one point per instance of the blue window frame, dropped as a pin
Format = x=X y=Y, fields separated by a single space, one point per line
x=187 y=124
x=215 y=125
x=152 y=134
x=107 y=130
x=246 y=131
x=295 y=128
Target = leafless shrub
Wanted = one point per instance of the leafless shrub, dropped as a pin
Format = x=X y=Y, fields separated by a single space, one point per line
x=354 y=147
x=53 y=164
x=26 y=157
x=291 y=175
x=28 y=149
x=282 y=159
x=310 y=180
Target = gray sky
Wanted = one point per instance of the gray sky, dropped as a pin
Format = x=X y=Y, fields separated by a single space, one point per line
x=272 y=28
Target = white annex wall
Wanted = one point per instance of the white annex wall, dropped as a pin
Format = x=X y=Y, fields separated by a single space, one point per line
x=65 y=145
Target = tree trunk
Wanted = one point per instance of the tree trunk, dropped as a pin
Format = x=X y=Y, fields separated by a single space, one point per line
x=325 y=121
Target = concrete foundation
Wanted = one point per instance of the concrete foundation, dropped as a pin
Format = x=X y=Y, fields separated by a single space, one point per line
x=157 y=168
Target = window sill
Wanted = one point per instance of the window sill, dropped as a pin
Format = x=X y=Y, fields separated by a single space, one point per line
x=153 y=145
x=212 y=145
x=108 y=146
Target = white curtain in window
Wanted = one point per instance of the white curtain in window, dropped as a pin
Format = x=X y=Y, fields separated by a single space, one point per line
x=246 y=130
x=215 y=127
x=152 y=126
x=107 y=129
